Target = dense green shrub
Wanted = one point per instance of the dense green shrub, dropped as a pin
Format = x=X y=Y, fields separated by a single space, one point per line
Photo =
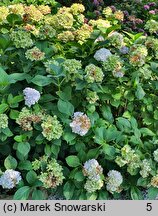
x=78 y=104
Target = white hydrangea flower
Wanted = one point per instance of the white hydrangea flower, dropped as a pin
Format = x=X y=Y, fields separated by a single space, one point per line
x=92 y=169
x=124 y=50
x=114 y=180
x=102 y=54
x=80 y=124
x=156 y=155
x=31 y=96
x=145 y=168
x=10 y=179
x=118 y=74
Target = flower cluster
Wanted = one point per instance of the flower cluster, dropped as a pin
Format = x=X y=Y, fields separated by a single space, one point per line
x=129 y=157
x=52 y=129
x=138 y=54
x=17 y=9
x=51 y=174
x=145 y=168
x=107 y=12
x=93 y=74
x=80 y=124
x=92 y=97
x=93 y=171
x=4 y=12
x=115 y=65
x=102 y=54
x=34 y=54
x=10 y=179
x=26 y=118
x=113 y=181
x=21 y=38
x=3 y=121
x=100 y=23
x=31 y=96
x=66 y=36
x=155 y=154
x=83 y=33
x=116 y=39
x=76 y=9
x=152 y=26
x=46 y=31
x=154 y=181
x=44 y=9
x=71 y=68
x=34 y=13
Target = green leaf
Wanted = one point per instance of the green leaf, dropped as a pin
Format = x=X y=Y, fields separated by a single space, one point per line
x=22 y=193
x=31 y=177
x=146 y=132
x=14 y=114
x=73 y=161
x=38 y=195
x=47 y=150
x=25 y=165
x=93 y=153
x=152 y=193
x=136 y=194
x=156 y=114
x=14 y=19
x=69 y=136
x=140 y=93
x=4 y=78
x=65 y=107
x=103 y=195
x=79 y=176
x=40 y=80
x=107 y=114
x=91 y=196
x=68 y=190
x=3 y=107
x=4 y=41
x=10 y=163
x=23 y=148
x=109 y=150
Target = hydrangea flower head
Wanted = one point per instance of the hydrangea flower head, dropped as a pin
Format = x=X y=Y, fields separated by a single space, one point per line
x=114 y=180
x=102 y=54
x=3 y=121
x=80 y=124
x=92 y=169
x=10 y=179
x=31 y=96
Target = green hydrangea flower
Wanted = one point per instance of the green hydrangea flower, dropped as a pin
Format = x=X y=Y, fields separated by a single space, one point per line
x=145 y=168
x=4 y=12
x=51 y=174
x=92 y=97
x=52 y=129
x=71 y=68
x=46 y=31
x=76 y=9
x=92 y=185
x=155 y=154
x=93 y=74
x=66 y=36
x=3 y=121
x=152 y=26
x=83 y=33
x=21 y=38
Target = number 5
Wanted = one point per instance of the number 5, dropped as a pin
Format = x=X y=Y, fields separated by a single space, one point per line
x=149 y=206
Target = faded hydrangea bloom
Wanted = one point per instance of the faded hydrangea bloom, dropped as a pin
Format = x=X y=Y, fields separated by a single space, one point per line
x=44 y=9
x=92 y=185
x=66 y=36
x=145 y=168
x=3 y=121
x=26 y=118
x=10 y=179
x=83 y=33
x=116 y=39
x=76 y=9
x=31 y=96
x=17 y=9
x=114 y=180
x=152 y=26
x=52 y=129
x=80 y=124
x=51 y=174
x=21 y=38
x=34 y=13
x=4 y=12
x=100 y=23
x=107 y=11
x=46 y=31
x=92 y=169
x=93 y=74
x=154 y=181
x=35 y=54
x=102 y=54
x=156 y=155
x=119 y=15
